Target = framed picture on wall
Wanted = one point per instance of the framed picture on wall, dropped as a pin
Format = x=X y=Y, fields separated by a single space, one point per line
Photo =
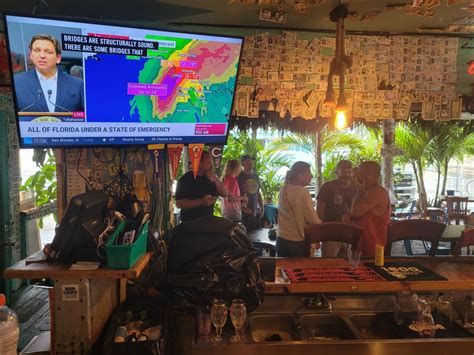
x=5 y=79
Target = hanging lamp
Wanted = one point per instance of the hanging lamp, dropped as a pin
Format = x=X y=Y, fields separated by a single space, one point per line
x=339 y=64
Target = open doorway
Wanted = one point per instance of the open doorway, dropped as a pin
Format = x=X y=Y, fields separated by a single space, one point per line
x=40 y=231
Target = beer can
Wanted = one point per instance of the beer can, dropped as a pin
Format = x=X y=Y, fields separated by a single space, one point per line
x=379 y=255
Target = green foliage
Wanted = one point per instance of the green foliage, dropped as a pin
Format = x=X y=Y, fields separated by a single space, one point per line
x=370 y=150
x=267 y=161
x=43 y=183
x=333 y=144
x=329 y=167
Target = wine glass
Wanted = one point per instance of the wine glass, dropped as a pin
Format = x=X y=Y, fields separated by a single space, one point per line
x=425 y=322
x=353 y=255
x=218 y=317
x=238 y=315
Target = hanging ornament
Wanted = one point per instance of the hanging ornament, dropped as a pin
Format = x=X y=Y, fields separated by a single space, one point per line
x=174 y=153
x=155 y=157
x=216 y=154
x=195 y=152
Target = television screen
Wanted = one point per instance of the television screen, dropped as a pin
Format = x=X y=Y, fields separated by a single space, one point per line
x=85 y=84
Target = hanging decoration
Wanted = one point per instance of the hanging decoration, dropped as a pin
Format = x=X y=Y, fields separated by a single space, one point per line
x=339 y=64
x=195 y=152
x=174 y=153
x=155 y=156
x=216 y=154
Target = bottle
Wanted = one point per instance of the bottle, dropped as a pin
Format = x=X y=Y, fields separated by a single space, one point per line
x=379 y=255
x=9 y=329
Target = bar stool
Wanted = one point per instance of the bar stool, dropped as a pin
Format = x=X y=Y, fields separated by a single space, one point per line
x=332 y=232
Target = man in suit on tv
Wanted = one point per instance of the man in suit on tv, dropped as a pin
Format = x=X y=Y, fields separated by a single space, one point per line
x=45 y=88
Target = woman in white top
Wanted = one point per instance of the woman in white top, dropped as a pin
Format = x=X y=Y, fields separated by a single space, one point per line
x=295 y=211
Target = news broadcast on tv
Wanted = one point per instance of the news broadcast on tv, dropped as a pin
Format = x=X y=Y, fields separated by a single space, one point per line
x=84 y=84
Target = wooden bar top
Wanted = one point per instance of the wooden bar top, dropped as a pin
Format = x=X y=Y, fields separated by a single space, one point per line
x=459 y=272
x=39 y=270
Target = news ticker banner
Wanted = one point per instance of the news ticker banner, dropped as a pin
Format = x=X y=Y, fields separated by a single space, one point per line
x=126 y=129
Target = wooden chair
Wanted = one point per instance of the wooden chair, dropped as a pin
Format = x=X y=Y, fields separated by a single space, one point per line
x=465 y=240
x=457 y=208
x=332 y=232
x=415 y=229
x=437 y=214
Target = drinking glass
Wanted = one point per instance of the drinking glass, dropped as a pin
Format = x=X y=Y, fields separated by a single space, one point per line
x=203 y=320
x=218 y=317
x=353 y=256
x=425 y=322
x=238 y=315
x=445 y=305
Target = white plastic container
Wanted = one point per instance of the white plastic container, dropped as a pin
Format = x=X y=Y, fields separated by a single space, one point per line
x=9 y=329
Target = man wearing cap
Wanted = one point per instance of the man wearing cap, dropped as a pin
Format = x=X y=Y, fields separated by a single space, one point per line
x=195 y=196
x=249 y=184
x=334 y=203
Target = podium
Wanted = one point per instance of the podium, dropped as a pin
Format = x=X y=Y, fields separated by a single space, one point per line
x=45 y=113
x=51 y=116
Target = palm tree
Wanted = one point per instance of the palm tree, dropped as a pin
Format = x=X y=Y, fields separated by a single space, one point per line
x=372 y=138
x=267 y=161
x=331 y=143
x=451 y=140
x=415 y=140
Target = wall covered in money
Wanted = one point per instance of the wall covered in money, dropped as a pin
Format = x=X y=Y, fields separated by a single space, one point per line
x=288 y=75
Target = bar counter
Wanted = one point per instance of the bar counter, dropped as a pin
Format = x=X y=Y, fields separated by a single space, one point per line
x=459 y=272
x=349 y=299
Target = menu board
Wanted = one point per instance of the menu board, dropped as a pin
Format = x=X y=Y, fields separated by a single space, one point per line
x=406 y=272
x=332 y=274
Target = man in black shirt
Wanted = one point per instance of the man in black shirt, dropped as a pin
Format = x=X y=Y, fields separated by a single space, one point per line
x=196 y=196
x=334 y=203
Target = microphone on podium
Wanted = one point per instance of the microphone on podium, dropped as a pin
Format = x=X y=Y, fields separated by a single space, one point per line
x=56 y=105
x=38 y=95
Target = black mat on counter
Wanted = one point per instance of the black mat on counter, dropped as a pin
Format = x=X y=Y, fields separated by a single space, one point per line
x=384 y=326
x=332 y=274
x=405 y=272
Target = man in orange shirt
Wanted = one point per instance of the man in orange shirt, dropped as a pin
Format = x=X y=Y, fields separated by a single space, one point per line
x=371 y=208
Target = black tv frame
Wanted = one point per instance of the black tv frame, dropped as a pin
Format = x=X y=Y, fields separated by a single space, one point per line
x=68 y=19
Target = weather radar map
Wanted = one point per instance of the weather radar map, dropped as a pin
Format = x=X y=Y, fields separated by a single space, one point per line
x=184 y=80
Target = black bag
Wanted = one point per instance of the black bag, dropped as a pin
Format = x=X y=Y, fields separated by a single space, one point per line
x=211 y=258
x=152 y=311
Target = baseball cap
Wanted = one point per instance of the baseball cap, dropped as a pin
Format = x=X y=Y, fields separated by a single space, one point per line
x=247 y=156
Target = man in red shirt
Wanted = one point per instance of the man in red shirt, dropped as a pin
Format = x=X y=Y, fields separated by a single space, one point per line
x=371 y=208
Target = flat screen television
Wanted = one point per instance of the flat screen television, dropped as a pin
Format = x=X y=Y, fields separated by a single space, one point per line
x=90 y=84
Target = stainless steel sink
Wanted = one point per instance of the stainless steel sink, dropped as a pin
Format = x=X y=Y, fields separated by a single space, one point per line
x=325 y=327
x=383 y=326
x=375 y=326
x=271 y=327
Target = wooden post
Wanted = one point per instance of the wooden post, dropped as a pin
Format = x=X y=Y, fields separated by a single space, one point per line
x=388 y=153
